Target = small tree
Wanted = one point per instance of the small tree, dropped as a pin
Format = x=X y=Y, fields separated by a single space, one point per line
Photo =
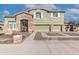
x=67 y=27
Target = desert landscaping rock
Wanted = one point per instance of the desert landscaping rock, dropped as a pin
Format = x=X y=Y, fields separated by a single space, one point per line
x=17 y=38
x=8 y=39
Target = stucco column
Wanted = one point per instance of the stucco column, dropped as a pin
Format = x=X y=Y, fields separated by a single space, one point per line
x=52 y=28
x=63 y=28
x=18 y=25
x=30 y=26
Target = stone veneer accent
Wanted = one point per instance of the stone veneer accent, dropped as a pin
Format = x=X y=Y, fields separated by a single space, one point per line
x=24 y=16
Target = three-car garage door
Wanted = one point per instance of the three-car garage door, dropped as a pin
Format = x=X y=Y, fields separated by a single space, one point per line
x=47 y=28
x=42 y=28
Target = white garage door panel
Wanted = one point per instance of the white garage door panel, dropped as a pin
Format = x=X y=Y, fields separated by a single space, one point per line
x=57 y=28
x=41 y=28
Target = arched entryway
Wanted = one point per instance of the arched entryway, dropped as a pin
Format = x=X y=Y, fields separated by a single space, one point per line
x=24 y=25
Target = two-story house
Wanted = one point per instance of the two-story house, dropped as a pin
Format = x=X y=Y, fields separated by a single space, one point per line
x=39 y=20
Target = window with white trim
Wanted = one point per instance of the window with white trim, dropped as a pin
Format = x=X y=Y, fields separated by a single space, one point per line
x=59 y=14
x=12 y=25
x=55 y=14
x=38 y=15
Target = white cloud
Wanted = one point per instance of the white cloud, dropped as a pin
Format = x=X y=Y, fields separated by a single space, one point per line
x=6 y=13
x=75 y=17
x=77 y=5
x=41 y=6
x=72 y=14
x=72 y=11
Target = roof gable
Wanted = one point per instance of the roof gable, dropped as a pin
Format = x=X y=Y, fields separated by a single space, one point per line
x=22 y=13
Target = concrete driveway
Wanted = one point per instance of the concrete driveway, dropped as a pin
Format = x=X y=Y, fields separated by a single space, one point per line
x=31 y=46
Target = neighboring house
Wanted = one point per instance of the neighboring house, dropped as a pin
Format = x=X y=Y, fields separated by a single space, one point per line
x=36 y=20
x=77 y=27
x=1 y=27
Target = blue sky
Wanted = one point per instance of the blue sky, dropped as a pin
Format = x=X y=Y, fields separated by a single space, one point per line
x=71 y=10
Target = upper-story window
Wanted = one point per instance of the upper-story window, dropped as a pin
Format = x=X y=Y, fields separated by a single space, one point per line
x=55 y=14
x=38 y=15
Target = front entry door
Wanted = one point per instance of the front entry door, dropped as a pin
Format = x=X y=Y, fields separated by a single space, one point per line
x=24 y=25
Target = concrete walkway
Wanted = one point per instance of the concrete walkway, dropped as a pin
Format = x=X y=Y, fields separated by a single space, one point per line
x=41 y=47
x=29 y=46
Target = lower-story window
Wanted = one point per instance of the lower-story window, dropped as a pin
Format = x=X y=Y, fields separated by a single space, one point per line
x=12 y=25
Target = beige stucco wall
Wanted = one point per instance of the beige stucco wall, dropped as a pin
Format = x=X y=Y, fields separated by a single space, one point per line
x=57 y=20
x=43 y=20
x=47 y=19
